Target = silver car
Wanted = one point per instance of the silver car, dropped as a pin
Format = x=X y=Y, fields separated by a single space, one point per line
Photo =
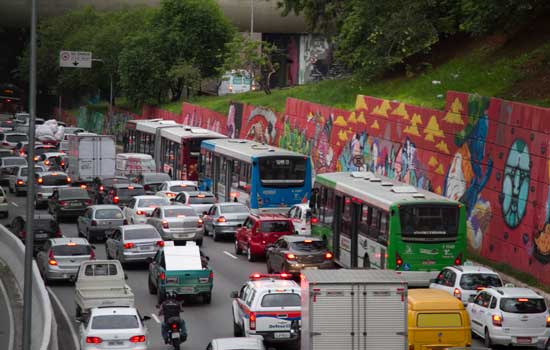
x=47 y=182
x=8 y=165
x=18 y=181
x=201 y=201
x=61 y=258
x=177 y=223
x=223 y=219
x=131 y=243
x=99 y=221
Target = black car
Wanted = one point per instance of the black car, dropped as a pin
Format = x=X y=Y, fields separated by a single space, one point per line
x=68 y=201
x=44 y=228
x=103 y=184
x=122 y=194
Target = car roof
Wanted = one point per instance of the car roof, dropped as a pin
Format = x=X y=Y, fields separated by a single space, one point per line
x=274 y=283
x=126 y=185
x=46 y=173
x=195 y=193
x=433 y=299
x=302 y=205
x=42 y=216
x=180 y=182
x=473 y=269
x=64 y=189
x=53 y=154
x=515 y=292
x=267 y=217
x=14 y=157
x=252 y=343
x=176 y=206
x=230 y=204
x=300 y=238
x=102 y=311
x=112 y=177
x=65 y=240
x=137 y=227
x=148 y=197
x=104 y=206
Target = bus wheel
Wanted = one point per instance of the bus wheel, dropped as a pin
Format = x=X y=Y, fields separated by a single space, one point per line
x=366 y=262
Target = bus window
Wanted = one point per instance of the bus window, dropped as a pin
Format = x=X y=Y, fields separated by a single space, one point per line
x=328 y=206
x=384 y=223
x=364 y=224
x=345 y=227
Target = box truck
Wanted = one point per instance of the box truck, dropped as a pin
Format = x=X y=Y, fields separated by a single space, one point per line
x=91 y=156
x=353 y=309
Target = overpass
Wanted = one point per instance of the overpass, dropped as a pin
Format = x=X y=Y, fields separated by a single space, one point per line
x=267 y=18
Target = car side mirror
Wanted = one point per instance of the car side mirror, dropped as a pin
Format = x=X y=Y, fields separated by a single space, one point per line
x=145 y=318
x=172 y=199
x=471 y=298
x=234 y=294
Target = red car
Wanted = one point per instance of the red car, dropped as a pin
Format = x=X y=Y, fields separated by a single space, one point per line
x=260 y=230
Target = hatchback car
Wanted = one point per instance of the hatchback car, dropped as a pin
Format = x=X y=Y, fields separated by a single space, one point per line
x=122 y=194
x=103 y=184
x=99 y=221
x=465 y=281
x=140 y=207
x=177 y=223
x=258 y=231
x=170 y=189
x=61 y=258
x=510 y=316
x=50 y=158
x=223 y=219
x=131 y=243
x=47 y=183
x=199 y=200
x=151 y=182
x=302 y=219
x=294 y=253
x=18 y=182
x=11 y=139
x=118 y=328
x=7 y=167
x=68 y=202
x=44 y=228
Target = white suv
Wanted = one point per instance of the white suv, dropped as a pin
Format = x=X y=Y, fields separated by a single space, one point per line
x=465 y=281
x=510 y=316
x=270 y=306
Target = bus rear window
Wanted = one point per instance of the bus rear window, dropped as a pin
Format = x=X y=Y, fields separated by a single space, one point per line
x=429 y=223
x=443 y=320
x=283 y=171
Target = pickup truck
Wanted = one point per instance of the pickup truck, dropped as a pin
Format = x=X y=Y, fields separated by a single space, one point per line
x=180 y=271
x=101 y=283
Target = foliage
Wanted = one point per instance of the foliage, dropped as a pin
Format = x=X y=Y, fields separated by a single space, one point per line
x=183 y=74
x=253 y=56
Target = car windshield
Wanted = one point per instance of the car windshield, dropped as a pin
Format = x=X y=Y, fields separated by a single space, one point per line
x=181 y=188
x=54 y=180
x=15 y=161
x=108 y=214
x=202 y=199
x=130 y=191
x=71 y=249
x=178 y=212
x=472 y=281
x=231 y=209
x=141 y=233
x=43 y=225
x=25 y=171
x=308 y=245
x=73 y=193
x=16 y=138
x=281 y=299
x=523 y=305
x=152 y=202
x=275 y=226
x=115 y=322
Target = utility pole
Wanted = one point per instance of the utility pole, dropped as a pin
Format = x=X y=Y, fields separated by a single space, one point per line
x=29 y=239
x=251 y=18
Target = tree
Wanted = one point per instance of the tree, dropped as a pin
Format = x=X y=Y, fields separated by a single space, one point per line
x=183 y=75
x=252 y=56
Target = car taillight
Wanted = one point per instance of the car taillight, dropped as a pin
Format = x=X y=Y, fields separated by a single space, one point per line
x=101 y=188
x=5 y=143
x=165 y=224
x=63 y=203
x=253 y=321
x=211 y=275
x=458 y=260
x=174 y=326
x=88 y=202
x=94 y=223
x=40 y=180
x=137 y=339
x=115 y=200
x=497 y=320
x=68 y=179
x=20 y=182
x=199 y=223
x=328 y=255
x=94 y=340
x=58 y=234
x=129 y=245
x=92 y=255
x=548 y=321
x=398 y=261
x=314 y=220
x=51 y=259
x=290 y=256
x=162 y=276
x=170 y=195
x=46 y=162
x=160 y=243
x=221 y=219
x=140 y=212
x=457 y=293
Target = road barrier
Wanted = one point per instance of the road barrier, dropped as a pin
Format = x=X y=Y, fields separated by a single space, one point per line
x=12 y=253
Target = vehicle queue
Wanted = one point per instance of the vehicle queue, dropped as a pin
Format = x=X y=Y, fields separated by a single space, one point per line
x=157 y=206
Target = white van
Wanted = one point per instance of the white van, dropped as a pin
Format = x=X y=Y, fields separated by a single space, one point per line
x=235 y=82
x=132 y=165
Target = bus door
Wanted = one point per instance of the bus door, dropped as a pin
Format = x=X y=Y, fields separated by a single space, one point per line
x=216 y=177
x=228 y=179
x=356 y=212
x=336 y=226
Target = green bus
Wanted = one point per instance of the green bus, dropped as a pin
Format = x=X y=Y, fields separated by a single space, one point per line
x=371 y=221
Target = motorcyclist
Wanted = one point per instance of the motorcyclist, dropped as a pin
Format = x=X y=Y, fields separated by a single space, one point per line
x=170 y=309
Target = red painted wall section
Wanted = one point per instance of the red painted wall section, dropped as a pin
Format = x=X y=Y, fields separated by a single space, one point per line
x=150 y=112
x=203 y=117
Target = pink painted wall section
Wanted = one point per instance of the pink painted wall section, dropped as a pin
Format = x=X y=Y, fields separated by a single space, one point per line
x=203 y=117
x=150 y=112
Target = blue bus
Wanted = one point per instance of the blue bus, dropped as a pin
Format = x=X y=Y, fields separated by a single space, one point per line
x=265 y=178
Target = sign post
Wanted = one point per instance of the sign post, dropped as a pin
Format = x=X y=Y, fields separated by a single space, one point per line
x=75 y=59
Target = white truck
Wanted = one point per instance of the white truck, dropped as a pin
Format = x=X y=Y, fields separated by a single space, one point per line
x=101 y=283
x=91 y=156
x=353 y=309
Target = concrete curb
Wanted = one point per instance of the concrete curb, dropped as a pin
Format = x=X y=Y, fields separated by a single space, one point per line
x=10 y=316
x=57 y=305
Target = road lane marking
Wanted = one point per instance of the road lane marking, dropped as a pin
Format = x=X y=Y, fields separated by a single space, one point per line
x=14 y=204
x=230 y=255
x=69 y=322
x=155 y=317
x=10 y=315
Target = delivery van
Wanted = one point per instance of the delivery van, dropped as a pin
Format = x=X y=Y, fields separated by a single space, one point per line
x=132 y=165
x=437 y=320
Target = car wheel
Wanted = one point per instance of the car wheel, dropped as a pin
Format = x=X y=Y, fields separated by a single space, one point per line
x=109 y=257
x=487 y=340
x=236 y=330
x=207 y=298
x=152 y=288
x=238 y=250
x=78 y=311
x=161 y=296
x=215 y=236
x=199 y=242
x=249 y=255
x=269 y=268
x=11 y=189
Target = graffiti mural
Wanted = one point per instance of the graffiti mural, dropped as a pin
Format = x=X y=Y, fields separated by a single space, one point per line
x=260 y=125
x=315 y=58
x=515 y=187
x=203 y=117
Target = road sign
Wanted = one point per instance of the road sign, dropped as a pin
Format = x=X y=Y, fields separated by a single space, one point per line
x=75 y=59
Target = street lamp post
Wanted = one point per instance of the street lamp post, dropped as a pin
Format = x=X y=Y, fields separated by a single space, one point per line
x=251 y=18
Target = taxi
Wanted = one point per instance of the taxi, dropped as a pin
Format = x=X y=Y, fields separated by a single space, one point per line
x=268 y=305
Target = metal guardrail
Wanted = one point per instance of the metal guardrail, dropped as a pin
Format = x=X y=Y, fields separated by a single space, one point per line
x=12 y=252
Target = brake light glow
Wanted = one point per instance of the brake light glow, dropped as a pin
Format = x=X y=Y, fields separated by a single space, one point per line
x=174 y=326
x=20 y=182
x=46 y=162
x=199 y=223
x=51 y=259
x=284 y=275
x=140 y=212
x=211 y=275
x=170 y=195
x=258 y=275
x=308 y=241
x=63 y=203
x=40 y=180
x=290 y=256
x=165 y=224
x=92 y=255
x=71 y=244
x=68 y=179
x=101 y=188
x=160 y=243
x=137 y=339
x=398 y=261
x=93 y=340
x=314 y=220
x=162 y=276
x=328 y=255
x=83 y=186
x=115 y=199
x=252 y=321
x=548 y=321
x=497 y=320
x=130 y=187
x=457 y=293
x=201 y=195
x=523 y=299
x=221 y=219
x=129 y=245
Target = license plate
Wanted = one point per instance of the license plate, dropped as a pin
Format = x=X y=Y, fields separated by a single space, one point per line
x=75 y=204
x=281 y=335
x=186 y=290
x=523 y=340
x=116 y=342
x=41 y=235
x=311 y=268
x=175 y=335
x=146 y=248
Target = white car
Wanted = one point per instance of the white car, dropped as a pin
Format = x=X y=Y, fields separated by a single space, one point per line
x=510 y=316
x=238 y=343
x=302 y=219
x=3 y=203
x=141 y=207
x=465 y=281
x=46 y=159
x=118 y=328
x=170 y=189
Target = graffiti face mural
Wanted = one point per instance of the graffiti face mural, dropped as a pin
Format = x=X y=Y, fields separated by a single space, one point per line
x=260 y=126
x=515 y=187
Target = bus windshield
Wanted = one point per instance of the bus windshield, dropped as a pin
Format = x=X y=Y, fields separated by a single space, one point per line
x=433 y=223
x=283 y=171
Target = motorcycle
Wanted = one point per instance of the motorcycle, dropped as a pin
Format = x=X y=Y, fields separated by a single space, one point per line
x=175 y=336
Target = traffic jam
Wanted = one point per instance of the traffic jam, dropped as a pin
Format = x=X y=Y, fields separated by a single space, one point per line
x=348 y=260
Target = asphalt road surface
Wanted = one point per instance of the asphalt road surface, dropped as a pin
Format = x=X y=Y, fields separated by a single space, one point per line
x=204 y=322
x=6 y=318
